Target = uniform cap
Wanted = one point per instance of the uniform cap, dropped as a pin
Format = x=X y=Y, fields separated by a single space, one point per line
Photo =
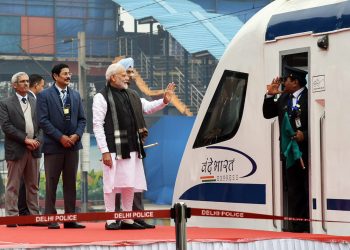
x=296 y=74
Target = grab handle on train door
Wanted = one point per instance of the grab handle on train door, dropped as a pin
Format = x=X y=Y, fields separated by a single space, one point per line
x=273 y=174
x=322 y=170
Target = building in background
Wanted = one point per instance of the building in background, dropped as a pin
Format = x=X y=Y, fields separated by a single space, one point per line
x=178 y=41
x=35 y=35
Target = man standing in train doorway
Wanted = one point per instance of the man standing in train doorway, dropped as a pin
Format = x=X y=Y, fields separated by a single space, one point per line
x=291 y=107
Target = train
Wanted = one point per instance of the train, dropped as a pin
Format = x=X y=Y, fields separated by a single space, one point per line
x=232 y=156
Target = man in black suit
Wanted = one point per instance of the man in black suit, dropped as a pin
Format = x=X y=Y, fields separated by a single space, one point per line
x=293 y=102
x=22 y=142
x=61 y=116
x=36 y=85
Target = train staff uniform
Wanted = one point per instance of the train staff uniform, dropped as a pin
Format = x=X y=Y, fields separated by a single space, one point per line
x=292 y=102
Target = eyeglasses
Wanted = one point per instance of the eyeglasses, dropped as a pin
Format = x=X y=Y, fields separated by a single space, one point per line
x=67 y=74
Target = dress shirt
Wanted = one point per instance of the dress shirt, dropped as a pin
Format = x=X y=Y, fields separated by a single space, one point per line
x=62 y=95
x=20 y=97
x=296 y=95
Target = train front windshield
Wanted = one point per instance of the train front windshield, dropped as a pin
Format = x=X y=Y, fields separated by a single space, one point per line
x=225 y=111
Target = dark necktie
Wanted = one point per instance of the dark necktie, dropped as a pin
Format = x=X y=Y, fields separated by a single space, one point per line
x=64 y=96
x=24 y=100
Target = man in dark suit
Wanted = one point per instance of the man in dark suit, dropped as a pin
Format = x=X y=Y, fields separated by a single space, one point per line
x=292 y=105
x=36 y=85
x=61 y=116
x=22 y=142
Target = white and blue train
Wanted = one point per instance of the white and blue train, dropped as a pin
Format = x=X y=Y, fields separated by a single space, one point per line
x=232 y=158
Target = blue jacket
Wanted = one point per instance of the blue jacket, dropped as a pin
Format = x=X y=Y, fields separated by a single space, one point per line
x=53 y=123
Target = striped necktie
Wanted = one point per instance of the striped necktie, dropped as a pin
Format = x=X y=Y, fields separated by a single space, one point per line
x=64 y=96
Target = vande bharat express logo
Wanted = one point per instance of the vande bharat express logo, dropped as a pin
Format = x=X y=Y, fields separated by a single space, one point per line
x=213 y=169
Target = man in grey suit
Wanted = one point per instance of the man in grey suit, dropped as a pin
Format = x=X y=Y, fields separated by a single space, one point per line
x=61 y=116
x=36 y=85
x=22 y=142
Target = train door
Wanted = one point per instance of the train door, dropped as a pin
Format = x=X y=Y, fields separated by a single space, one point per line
x=298 y=58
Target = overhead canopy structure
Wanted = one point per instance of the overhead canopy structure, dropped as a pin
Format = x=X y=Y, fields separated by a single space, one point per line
x=194 y=28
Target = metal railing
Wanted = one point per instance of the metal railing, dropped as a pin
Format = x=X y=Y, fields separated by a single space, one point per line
x=196 y=97
x=128 y=47
x=179 y=78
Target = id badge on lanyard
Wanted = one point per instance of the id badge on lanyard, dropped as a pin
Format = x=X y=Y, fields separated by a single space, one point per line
x=297 y=122
x=66 y=112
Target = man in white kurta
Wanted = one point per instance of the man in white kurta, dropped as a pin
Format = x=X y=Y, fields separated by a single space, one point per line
x=148 y=107
x=122 y=157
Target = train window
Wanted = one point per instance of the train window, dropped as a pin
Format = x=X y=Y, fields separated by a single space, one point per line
x=224 y=114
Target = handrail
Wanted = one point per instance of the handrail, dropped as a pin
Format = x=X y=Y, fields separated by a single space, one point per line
x=273 y=189
x=322 y=172
x=144 y=63
x=196 y=97
x=197 y=90
x=147 y=67
x=180 y=80
x=179 y=105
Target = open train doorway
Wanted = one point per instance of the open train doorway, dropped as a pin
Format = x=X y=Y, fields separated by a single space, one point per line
x=295 y=180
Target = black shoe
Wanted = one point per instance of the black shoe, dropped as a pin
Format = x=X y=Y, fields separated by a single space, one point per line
x=11 y=225
x=144 y=224
x=53 y=225
x=40 y=224
x=125 y=225
x=73 y=225
x=113 y=226
x=24 y=213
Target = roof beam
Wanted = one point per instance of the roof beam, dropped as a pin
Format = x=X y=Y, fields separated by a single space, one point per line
x=211 y=27
x=166 y=6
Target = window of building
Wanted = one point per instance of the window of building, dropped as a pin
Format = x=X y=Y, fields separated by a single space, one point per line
x=12 y=8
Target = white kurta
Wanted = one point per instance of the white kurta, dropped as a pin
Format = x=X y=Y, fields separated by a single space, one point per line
x=124 y=172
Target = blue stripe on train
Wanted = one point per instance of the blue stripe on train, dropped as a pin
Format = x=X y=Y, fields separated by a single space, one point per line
x=317 y=20
x=227 y=192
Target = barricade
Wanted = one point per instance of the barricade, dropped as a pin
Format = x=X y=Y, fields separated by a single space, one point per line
x=180 y=213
